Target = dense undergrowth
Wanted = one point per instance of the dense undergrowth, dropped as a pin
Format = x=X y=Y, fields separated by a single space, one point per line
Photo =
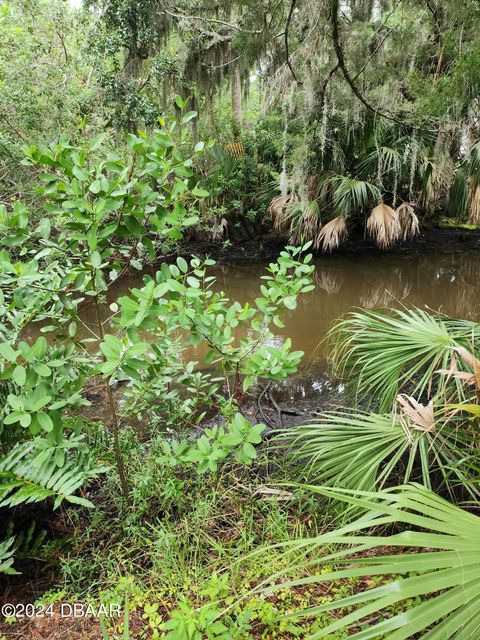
x=179 y=503
x=140 y=465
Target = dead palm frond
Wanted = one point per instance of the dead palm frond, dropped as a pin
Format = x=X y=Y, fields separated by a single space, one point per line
x=469 y=377
x=473 y=203
x=435 y=178
x=312 y=184
x=278 y=209
x=414 y=415
x=306 y=222
x=407 y=220
x=333 y=234
x=220 y=230
x=382 y=224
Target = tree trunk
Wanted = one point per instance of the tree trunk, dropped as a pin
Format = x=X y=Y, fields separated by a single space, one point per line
x=210 y=113
x=361 y=10
x=236 y=97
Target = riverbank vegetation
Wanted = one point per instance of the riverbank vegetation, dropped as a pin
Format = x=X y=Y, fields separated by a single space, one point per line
x=325 y=118
x=144 y=459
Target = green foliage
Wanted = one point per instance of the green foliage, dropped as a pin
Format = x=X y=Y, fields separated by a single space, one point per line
x=182 y=297
x=189 y=623
x=118 y=197
x=98 y=213
x=48 y=83
x=101 y=206
x=333 y=129
x=39 y=391
x=385 y=351
x=441 y=566
x=351 y=195
x=30 y=476
x=366 y=451
x=7 y=550
x=126 y=624
x=238 y=439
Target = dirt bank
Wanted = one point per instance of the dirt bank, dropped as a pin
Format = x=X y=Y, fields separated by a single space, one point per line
x=268 y=246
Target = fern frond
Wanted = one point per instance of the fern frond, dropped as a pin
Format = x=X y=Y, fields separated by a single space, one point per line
x=27 y=476
x=6 y=557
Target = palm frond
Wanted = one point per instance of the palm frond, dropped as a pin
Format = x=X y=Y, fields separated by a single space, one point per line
x=465 y=190
x=306 y=222
x=473 y=202
x=382 y=224
x=407 y=220
x=436 y=174
x=360 y=450
x=459 y=194
x=332 y=234
x=386 y=160
x=351 y=195
x=281 y=212
x=384 y=351
x=443 y=565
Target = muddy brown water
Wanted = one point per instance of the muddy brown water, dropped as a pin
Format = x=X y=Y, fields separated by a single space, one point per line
x=449 y=283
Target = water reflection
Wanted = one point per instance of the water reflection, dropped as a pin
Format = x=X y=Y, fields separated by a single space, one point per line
x=448 y=283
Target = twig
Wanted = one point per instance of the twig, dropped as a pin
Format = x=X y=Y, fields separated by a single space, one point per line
x=13 y=128
x=277 y=407
x=259 y=404
x=212 y=20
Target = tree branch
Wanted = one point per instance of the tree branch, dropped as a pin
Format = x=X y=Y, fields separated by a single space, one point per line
x=287 y=54
x=334 y=4
x=13 y=128
x=435 y=15
x=214 y=35
x=323 y=90
x=230 y=25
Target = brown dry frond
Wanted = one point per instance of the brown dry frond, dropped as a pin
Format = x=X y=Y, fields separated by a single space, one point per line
x=312 y=184
x=414 y=415
x=306 y=225
x=437 y=172
x=278 y=209
x=333 y=234
x=407 y=220
x=474 y=203
x=220 y=230
x=382 y=225
x=469 y=377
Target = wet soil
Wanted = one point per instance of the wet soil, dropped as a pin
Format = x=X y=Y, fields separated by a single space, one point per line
x=269 y=246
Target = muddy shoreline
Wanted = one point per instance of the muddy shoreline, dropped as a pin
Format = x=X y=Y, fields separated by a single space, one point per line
x=269 y=246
